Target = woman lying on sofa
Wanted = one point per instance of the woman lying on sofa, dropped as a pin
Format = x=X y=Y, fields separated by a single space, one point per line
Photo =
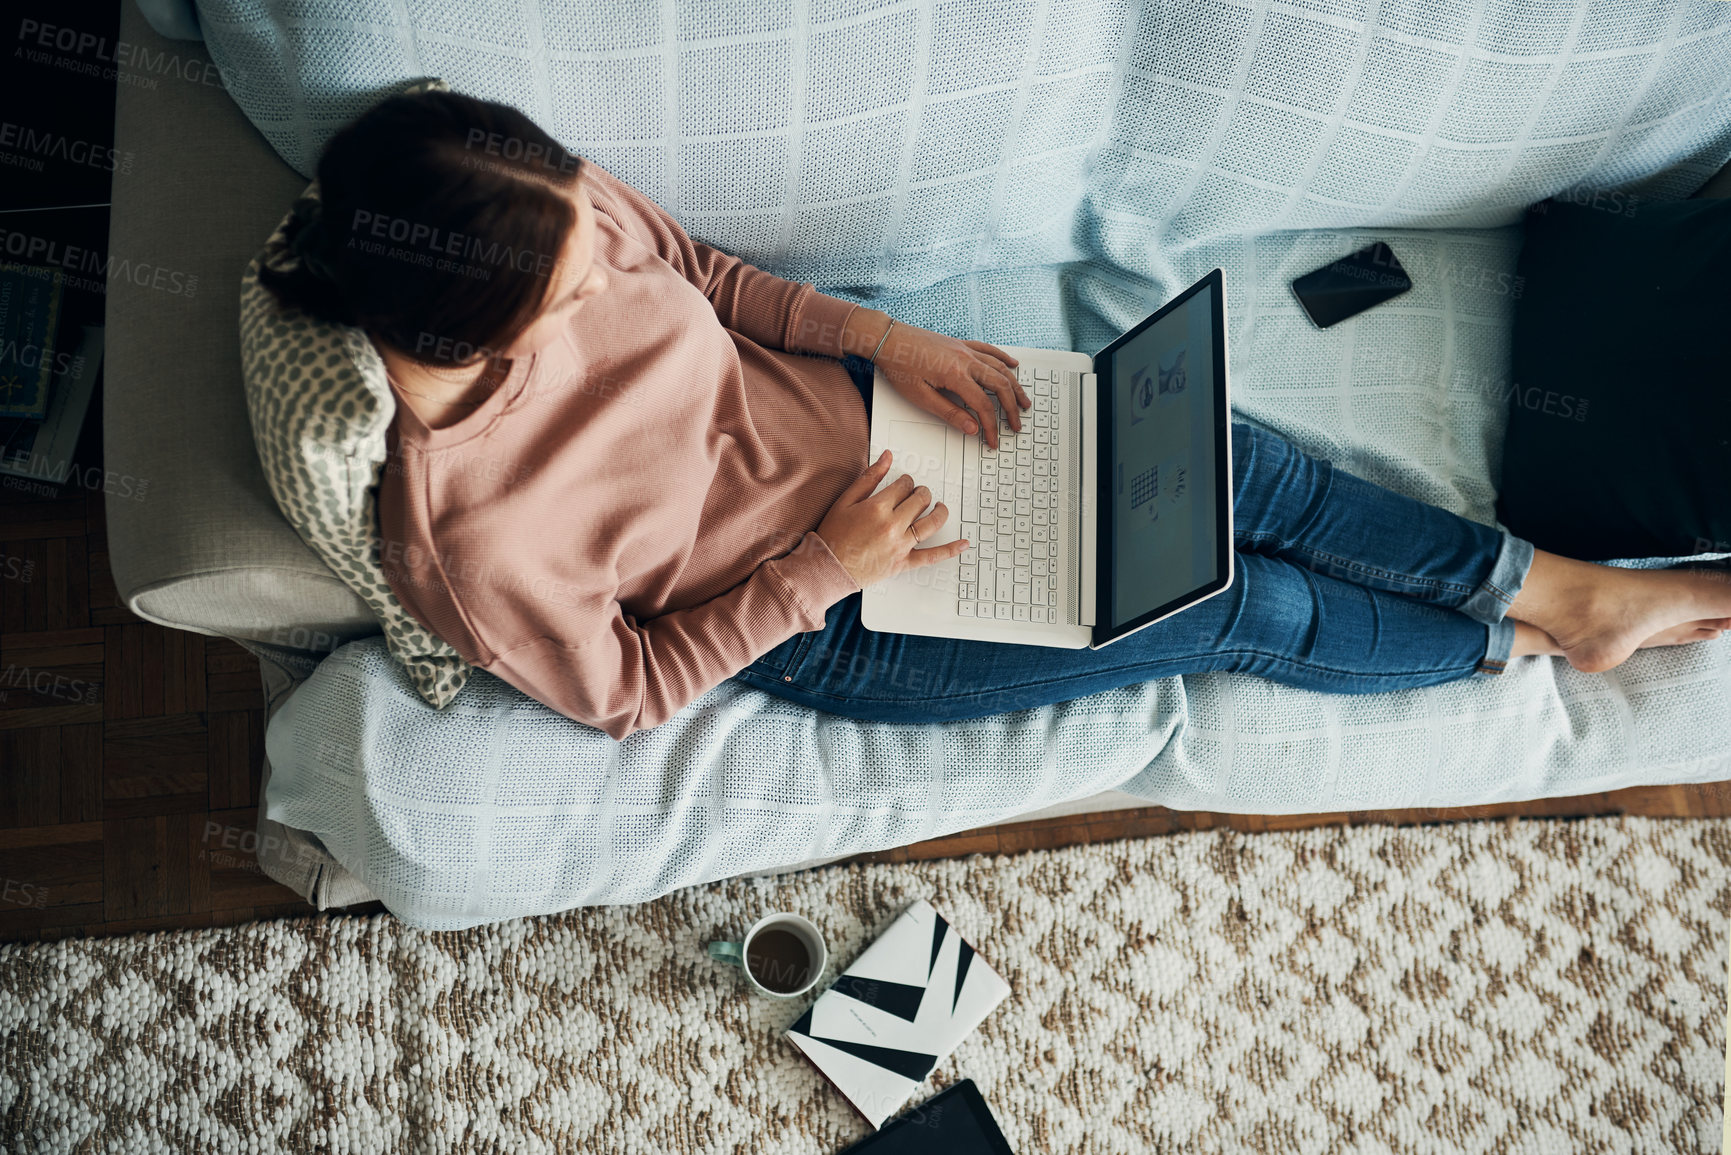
x=626 y=466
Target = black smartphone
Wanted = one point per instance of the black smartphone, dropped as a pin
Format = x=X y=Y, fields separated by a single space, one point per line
x=1349 y=286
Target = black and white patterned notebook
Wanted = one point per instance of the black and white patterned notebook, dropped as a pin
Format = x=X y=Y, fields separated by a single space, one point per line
x=891 y=1018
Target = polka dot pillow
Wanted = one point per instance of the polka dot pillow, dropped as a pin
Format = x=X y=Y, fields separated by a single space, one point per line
x=320 y=407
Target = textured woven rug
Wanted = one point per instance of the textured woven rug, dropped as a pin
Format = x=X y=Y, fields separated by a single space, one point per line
x=1533 y=985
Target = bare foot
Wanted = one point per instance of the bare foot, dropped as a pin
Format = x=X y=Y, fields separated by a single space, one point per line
x=1530 y=640
x=1599 y=615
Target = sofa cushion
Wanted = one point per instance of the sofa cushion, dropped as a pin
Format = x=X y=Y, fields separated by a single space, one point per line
x=320 y=408
x=1619 y=433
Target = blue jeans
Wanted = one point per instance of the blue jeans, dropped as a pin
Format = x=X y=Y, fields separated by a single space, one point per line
x=1341 y=585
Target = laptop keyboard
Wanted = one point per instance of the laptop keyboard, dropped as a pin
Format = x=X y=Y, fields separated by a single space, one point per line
x=1011 y=567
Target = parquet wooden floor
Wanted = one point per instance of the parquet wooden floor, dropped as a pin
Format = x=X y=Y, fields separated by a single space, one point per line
x=129 y=753
x=130 y=758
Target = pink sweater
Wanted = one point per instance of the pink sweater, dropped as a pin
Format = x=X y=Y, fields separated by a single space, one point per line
x=627 y=520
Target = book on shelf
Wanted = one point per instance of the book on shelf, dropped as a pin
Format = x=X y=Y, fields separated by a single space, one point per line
x=42 y=449
x=30 y=302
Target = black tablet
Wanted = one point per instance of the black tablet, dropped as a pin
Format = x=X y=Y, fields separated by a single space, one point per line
x=955 y=1121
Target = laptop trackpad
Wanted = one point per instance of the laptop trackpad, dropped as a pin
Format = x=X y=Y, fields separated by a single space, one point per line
x=918 y=448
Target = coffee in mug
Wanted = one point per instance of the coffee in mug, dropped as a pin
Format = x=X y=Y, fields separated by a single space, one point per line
x=782 y=955
x=779 y=959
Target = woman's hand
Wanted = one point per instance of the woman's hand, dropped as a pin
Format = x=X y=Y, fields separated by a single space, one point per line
x=873 y=534
x=919 y=363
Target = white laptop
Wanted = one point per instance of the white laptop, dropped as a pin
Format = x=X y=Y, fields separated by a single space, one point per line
x=1146 y=421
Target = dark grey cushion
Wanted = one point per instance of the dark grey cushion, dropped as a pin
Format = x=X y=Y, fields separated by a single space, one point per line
x=1619 y=434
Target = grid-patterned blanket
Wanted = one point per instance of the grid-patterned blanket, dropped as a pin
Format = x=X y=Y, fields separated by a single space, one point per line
x=1032 y=173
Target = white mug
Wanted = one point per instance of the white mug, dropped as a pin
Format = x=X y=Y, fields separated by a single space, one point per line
x=737 y=954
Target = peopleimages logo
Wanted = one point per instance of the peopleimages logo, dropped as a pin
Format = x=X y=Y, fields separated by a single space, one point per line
x=1464 y=274
x=514 y=148
x=1548 y=401
x=16 y=569
x=1605 y=200
x=28 y=356
x=45 y=251
x=55 y=146
x=87 y=53
x=93 y=478
x=23 y=893
x=49 y=684
x=434 y=241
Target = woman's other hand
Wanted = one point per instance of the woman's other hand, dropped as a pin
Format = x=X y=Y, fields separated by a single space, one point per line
x=873 y=535
x=919 y=363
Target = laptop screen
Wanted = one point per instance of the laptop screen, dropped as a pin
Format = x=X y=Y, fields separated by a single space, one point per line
x=1162 y=450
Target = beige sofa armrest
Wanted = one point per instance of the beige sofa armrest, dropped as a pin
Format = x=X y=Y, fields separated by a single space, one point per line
x=207 y=550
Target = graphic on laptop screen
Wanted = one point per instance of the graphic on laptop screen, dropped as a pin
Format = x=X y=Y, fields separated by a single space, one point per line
x=1162 y=495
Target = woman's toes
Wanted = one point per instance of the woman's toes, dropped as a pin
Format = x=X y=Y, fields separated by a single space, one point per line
x=1681 y=635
